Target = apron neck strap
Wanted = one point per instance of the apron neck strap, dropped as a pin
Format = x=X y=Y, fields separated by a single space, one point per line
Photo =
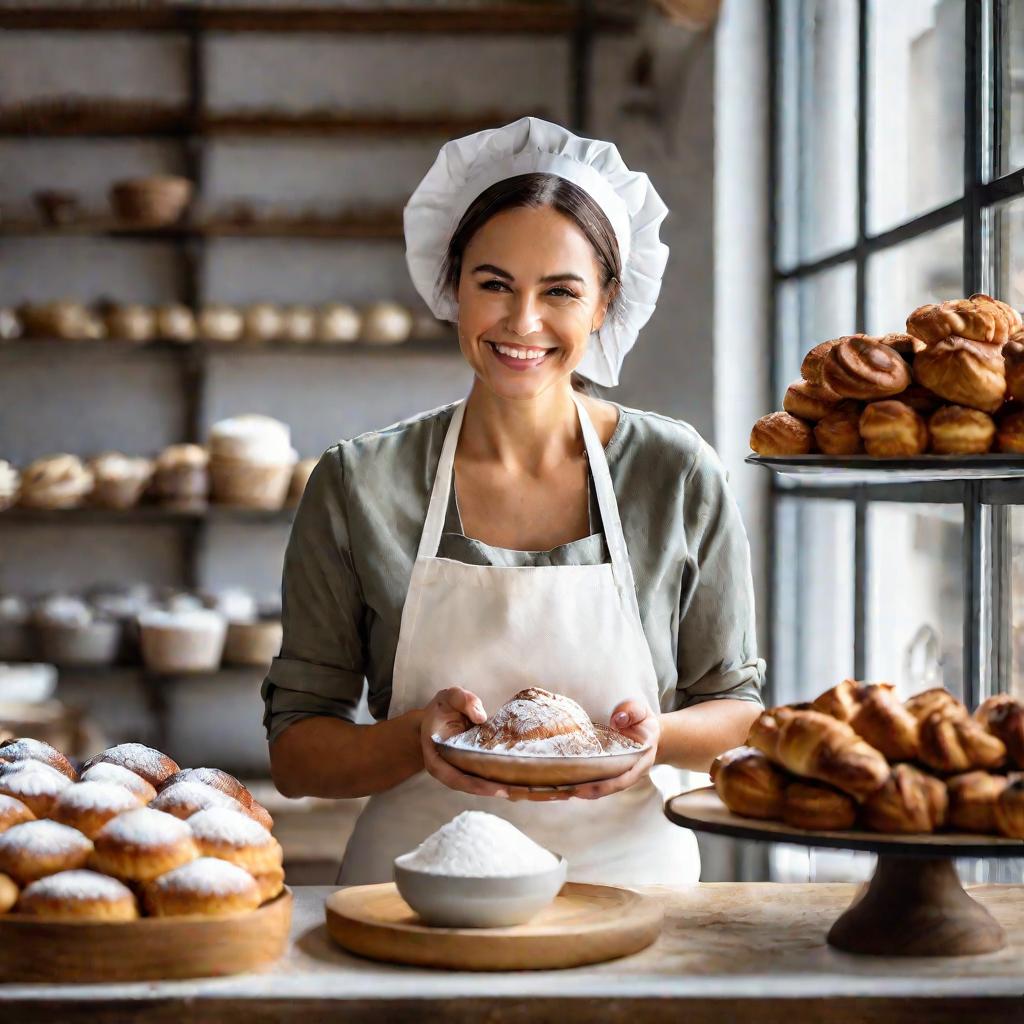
x=614 y=539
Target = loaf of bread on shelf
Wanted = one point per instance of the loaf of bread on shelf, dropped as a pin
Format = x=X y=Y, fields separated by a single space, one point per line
x=951 y=743
x=862 y=368
x=812 y=805
x=809 y=401
x=781 y=434
x=891 y=429
x=972 y=801
x=1003 y=716
x=963 y=372
x=820 y=747
x=909 y=801
x=958 y=430
x=838 y=432
x=748 y=783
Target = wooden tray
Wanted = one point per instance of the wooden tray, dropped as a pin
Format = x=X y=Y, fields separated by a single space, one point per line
x=586 y=924
x=143 y=950
x=914 y=904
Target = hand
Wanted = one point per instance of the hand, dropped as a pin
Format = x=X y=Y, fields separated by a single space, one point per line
x=637 y=721
x=453 y=711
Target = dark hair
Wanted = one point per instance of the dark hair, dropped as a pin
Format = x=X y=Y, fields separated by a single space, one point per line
x=536 y=190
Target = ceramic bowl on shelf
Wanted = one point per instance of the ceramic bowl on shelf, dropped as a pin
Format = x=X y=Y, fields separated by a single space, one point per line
x=153 y=201
x=448 y=901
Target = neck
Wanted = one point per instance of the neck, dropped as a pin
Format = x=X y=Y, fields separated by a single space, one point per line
x=530 y=436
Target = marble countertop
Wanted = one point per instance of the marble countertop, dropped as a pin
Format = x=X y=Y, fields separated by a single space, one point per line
x=728 y=951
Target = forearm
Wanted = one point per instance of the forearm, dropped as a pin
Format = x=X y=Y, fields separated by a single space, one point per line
x=693 y=737
x=329 y=757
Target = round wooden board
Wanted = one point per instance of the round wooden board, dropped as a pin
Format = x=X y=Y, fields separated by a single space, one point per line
x=702 y=809
x=586 y=924
x=147 y=949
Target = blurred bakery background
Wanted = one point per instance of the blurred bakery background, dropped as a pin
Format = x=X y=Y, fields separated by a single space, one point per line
x=202 y=286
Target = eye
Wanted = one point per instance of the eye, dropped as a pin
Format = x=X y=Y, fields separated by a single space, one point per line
x=563 y=293
x=497 y=285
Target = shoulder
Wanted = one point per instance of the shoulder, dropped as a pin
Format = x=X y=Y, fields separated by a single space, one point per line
x=661 y=444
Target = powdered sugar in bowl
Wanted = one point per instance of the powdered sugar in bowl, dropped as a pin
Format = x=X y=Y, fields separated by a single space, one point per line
x=479 y=871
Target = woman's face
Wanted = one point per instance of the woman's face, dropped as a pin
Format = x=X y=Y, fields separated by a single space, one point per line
x=529 y=297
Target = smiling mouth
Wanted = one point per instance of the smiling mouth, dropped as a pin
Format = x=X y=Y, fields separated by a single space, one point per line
x=515 y=352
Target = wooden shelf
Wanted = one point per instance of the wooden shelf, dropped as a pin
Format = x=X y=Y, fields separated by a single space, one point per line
x=143 y=514
x=51 y=346
x=521 y=18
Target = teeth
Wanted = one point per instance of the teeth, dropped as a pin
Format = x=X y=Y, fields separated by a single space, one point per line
x=520 y=353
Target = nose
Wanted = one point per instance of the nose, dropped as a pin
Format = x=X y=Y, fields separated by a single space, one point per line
x=524 y=316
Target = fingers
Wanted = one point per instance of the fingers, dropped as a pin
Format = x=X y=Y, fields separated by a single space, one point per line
x=596 y=790
x=465 y=702
x=628 y=714
x=451 y=777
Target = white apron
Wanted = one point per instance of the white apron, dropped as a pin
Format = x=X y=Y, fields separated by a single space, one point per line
x=494 y=630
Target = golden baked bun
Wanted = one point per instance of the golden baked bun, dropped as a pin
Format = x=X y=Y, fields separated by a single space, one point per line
x=892 y=430
x=118 y=776
x=963 y=372
x=13 y=812
x=905 y=344
x=207 y=886
x=233 y=836
x=813 y=367
x=1009 y=809
x=25 y=749
x=535 y=716
x=840 y=701
x=972 y=801
x=875 y=714
x=838 y=432
x=952 y=744
x=184 y=799
x=818 y=808
x=763 y=733
x=142 y=845
x=8 y=893
x=88 y=806
x=78 y=896
x=978 y=319
x=781 y=434
x=957 y=430
x=862 y=368
x=938 y=698
x=749 y=784
x=226 y=784
x=820 y=747
x=809 y=401
x=1013 y=362
x=1003 y=716
x=1010 y=432
x=35 y=784
x=270 y=883
x=1009 y=314
x=910 y=802
x=151 y=764
x=920 y=399
x=36 y=849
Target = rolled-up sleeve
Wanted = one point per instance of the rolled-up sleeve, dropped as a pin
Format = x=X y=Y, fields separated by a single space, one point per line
x=322 y=662
x=717 y=649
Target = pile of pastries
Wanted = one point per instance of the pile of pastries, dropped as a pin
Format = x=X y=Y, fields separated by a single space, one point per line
x=953 y=384
x=167 y=630
x=132 y=834
x=377 y=323
x=248 y=462
x=858 y=757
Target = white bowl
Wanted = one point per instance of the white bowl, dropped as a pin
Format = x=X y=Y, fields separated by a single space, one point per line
x=27 y=682
x=451 y=902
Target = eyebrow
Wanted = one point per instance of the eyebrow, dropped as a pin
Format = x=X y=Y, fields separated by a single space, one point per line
x=490 y=268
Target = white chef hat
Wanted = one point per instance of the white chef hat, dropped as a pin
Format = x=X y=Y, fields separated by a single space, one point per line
x=465 y=167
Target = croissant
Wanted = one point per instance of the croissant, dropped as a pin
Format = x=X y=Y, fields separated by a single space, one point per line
x=972 y=801
x=840 y=702
x=883 y=721
x=748 y=783
x=1013 y=361
x=951 y=743
x=963 y=372
x=1003 y=716
x=860 y=367
x=979 y=318
x=779 y=433
x=1009 y=809
x=922 y=704
x=763 y=734
x=909 y=801
x=820 y=747
x=813 y=806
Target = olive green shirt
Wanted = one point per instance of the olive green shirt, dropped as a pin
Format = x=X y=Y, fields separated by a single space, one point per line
x=357 y=530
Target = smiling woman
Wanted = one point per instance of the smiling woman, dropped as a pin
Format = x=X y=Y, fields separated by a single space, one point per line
x=529 y=536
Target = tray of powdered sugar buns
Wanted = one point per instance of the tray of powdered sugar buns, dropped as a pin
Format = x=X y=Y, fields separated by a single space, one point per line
x=129 y=868
x=542 y=740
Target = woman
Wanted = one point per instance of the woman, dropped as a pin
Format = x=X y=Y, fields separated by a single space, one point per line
x=531 y=535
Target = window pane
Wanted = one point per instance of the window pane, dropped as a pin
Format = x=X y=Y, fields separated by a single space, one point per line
x=1010 y=107
x=928 y=269
x=817 y=104
x=916 y=108
x=810 y=310
x=916 y=607
x=814 y=597
x=1008 y=251
x=1016 y=682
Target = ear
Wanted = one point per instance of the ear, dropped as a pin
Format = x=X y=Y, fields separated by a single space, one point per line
x=604 y=305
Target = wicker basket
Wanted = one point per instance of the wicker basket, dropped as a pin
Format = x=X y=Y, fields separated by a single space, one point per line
x=170 y=649
x=249 y=484
x=119 y=494
x=96 y=643
x=153 y=201
x=252 y=643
